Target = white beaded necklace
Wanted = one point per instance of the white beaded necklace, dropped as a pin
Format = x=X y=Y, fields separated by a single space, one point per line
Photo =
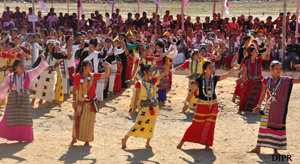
x=274 y=89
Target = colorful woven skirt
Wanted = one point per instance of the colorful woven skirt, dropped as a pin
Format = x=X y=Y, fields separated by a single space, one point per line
x=251 y=94
x=144 y=124
x=45 y=86
x=16 y=124
x=275 y=139
x=203 y=125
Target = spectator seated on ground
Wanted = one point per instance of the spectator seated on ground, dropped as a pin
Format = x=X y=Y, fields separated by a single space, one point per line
x=292 y=55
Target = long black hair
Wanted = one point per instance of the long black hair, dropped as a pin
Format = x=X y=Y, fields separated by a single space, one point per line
x=144 y=67
x=207 y=63
x=15 y=64
x=84 y=64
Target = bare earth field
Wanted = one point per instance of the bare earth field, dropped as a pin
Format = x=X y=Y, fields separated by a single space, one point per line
x=234 y=134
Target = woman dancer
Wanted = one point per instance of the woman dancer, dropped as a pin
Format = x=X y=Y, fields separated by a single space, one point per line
x=195 y=69
x=240 y=56
x=45 y=86
x=16 y=123
x=85 y=102
x=146 y=94
x=164 y=82
x=203 y=125
x=137 y=74
x=251 y=78
x=272 y=130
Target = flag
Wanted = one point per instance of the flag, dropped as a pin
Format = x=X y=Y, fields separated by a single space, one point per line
x=186 y=4
x=79 y=7
x=227 y=6
x=107 y=1
x=157 y=4
x=43 y=6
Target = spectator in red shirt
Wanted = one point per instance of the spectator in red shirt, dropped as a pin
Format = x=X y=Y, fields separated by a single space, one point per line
x=234 y=25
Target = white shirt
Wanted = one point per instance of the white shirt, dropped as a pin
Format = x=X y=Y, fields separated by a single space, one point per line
x=71 y=62
x=6 y=24
x=94 y=56
x=235 y=45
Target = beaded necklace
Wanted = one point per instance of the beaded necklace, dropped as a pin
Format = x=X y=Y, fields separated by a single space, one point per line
x=249 y=73
x=149 y=95
x=192 y=68
x=276 y=84
x=87 y=87
x=208 y=88
x=231 y=47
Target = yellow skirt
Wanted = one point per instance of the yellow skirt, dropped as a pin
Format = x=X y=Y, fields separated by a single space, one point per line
x=59 y=92
x=144 y=124
x=193 y=102
x=86 y=124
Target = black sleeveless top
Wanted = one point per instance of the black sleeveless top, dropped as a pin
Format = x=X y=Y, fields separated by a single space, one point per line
x=199 y=83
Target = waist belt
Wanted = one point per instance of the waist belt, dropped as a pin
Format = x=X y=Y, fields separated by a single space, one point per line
x=148 y=103
x=192 y=77
x=204 y=102
x=256 y=78
x=94 y=103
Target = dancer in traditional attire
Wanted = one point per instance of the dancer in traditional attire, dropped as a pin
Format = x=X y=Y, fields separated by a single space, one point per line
x=85 y=102
x=137 y=74
x=240 y=56
x=231 y=49
x=251 y=78
x=164 y=82
x=146 y=94
x=70 y=49
x=131 y=46
x=16 y=123
x=45 y=86
x=272 y=130
x=194 y=65
x=203 y=125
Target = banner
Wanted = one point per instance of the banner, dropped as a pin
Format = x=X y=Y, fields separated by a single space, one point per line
x=157 y=4
x=79 y=7
x=227 y=6
x=43 y=6
x=186 y=4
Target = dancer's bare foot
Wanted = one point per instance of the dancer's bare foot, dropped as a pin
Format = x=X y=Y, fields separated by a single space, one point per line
x=276 y=152
x=180 y=144
x=148 y=146
x=207 y=148
x=86 y=144
x=32 y=103
x=73 y=142
x=233 y=98
x=238 y=112
x=41 y=101
x=255 y=150
x=123 y=143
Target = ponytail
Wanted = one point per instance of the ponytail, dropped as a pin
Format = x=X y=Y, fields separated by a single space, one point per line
x=144 y=67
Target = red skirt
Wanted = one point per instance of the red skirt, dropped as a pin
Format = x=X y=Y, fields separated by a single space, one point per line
x=203 y=125
x=228 y=60
x=250 y=95
x=71 y=72
x=118 y=80
x=129 y=67
x=170 y=74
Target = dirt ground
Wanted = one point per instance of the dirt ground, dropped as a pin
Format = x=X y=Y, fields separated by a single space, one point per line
x=234 y=134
